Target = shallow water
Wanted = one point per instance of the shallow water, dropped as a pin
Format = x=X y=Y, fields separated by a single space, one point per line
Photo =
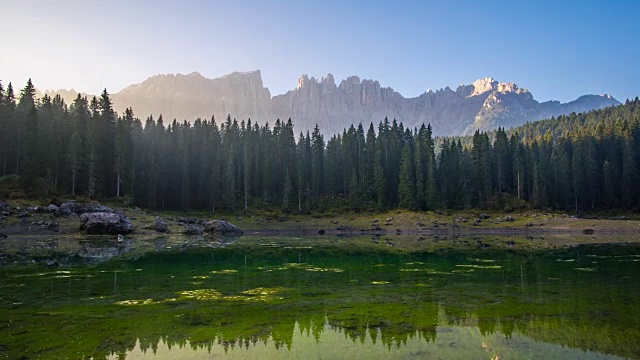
x=277 y=298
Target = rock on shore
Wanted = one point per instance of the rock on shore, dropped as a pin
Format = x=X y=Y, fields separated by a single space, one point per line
x=221 y=227
x=102 y=223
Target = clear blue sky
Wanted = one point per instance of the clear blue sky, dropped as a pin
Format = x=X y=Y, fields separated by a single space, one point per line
x=556 y=49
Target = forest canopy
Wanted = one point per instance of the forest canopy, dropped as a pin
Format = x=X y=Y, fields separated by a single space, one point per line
x=576 y=162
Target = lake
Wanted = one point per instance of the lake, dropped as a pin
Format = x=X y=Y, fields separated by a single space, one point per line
x=315 y=298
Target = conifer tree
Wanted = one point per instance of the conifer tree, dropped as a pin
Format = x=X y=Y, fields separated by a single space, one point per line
x=73 y=159
x=379 y=181
x=8 y=113
x=26 y=112
x=406 y=186
x=608 y=189
x=317 y=162
x=4 y=130
x=105 y=150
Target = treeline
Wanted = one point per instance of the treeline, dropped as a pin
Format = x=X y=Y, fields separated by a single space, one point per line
x=561 y=126
x=87 y=149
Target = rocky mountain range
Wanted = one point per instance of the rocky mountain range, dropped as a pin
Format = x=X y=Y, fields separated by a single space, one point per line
x=485 y=104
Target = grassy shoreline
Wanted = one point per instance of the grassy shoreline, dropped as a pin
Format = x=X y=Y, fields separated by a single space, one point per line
x=400 y=229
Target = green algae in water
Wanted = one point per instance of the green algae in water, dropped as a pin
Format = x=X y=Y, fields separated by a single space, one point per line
x=264 y=291
x=402 y=305
x=200 y=294
x=474 y=266
x=226 y=271
x=136 y=302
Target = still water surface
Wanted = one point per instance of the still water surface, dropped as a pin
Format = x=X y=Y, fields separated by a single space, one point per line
x=283 y=298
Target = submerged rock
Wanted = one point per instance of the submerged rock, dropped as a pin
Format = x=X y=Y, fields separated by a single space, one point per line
x=222 y=228
x=97 y=252
x=53 y=226
x=105 y=223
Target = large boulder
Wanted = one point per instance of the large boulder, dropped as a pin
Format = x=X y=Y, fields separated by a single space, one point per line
x=161 y=226
x=221 y=227
x=102 y=223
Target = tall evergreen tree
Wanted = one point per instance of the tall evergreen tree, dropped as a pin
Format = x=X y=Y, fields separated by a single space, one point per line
x=406 y=186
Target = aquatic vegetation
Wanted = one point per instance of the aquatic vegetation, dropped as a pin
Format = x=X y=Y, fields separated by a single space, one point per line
x=136 y=302
x=484 y=260
x=264 y=298
x=587 y=269
x=292 y=266
x=319 y=269
x=11 y=285
x=200 y=294
x=32 y=275
x=264 y=291
x=437 y=272
x=226 y=271
x=258 y=298
x=301 y=266
x=473 y=266
x=416 y=307
x=414 y=270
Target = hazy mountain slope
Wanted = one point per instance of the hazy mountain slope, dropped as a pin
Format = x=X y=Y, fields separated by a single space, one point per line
x=192 y=96
x=484 y=104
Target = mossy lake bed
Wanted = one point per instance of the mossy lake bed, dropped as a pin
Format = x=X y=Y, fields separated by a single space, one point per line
x=423 y=285
x=317 y=297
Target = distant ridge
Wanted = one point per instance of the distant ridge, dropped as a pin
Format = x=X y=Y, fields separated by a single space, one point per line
x=484 y=104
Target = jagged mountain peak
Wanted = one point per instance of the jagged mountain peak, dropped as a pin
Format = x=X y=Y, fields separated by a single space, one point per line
x=483 y=85
x=244 y=74
x=304 y=80
x=484 y=104
x=488 y=84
